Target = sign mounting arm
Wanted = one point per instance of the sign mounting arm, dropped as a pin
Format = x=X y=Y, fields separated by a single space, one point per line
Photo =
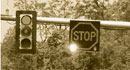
x=103 y=24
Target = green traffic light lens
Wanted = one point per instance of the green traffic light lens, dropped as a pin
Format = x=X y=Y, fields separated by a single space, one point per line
x=25 y=43
x=26 y=31
x=26 y=20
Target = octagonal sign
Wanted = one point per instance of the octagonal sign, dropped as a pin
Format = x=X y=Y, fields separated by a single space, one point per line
x=85 y=34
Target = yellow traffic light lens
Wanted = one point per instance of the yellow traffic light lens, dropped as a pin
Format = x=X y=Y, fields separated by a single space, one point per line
x=25 y=43
x=26 y=31
x=26 y=19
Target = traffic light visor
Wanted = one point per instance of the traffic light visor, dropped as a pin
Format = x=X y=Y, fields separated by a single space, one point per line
x=25 y=43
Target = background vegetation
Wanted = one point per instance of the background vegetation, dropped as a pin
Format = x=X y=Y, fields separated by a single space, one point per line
x=52 y=50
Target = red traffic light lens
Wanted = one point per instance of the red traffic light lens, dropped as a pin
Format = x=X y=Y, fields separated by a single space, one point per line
x=26 y=19
x=26 y=31
x=25 y=43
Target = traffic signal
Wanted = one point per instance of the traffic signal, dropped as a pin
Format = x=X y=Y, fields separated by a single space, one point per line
x=26 y=31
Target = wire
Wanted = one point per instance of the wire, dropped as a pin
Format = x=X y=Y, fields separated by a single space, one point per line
x=10 y=23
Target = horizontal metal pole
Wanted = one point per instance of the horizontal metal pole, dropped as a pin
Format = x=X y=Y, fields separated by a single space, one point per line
x=105 y=24
x=115 y=24
x=8 y=18
x=53 y=20
x=40 y=19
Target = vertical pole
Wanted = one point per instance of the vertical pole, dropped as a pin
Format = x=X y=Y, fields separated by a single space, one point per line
x=7 y=10
x=25 y=7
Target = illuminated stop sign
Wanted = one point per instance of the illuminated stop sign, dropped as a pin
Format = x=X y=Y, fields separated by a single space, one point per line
x=85 y=34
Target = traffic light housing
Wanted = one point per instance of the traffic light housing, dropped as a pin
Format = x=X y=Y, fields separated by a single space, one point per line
x=26 y=31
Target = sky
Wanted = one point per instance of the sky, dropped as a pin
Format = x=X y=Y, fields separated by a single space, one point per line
x=4 y=25
x=9 y=4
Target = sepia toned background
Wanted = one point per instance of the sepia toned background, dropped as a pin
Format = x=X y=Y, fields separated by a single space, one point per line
x=53 y=39
x=9 y=4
